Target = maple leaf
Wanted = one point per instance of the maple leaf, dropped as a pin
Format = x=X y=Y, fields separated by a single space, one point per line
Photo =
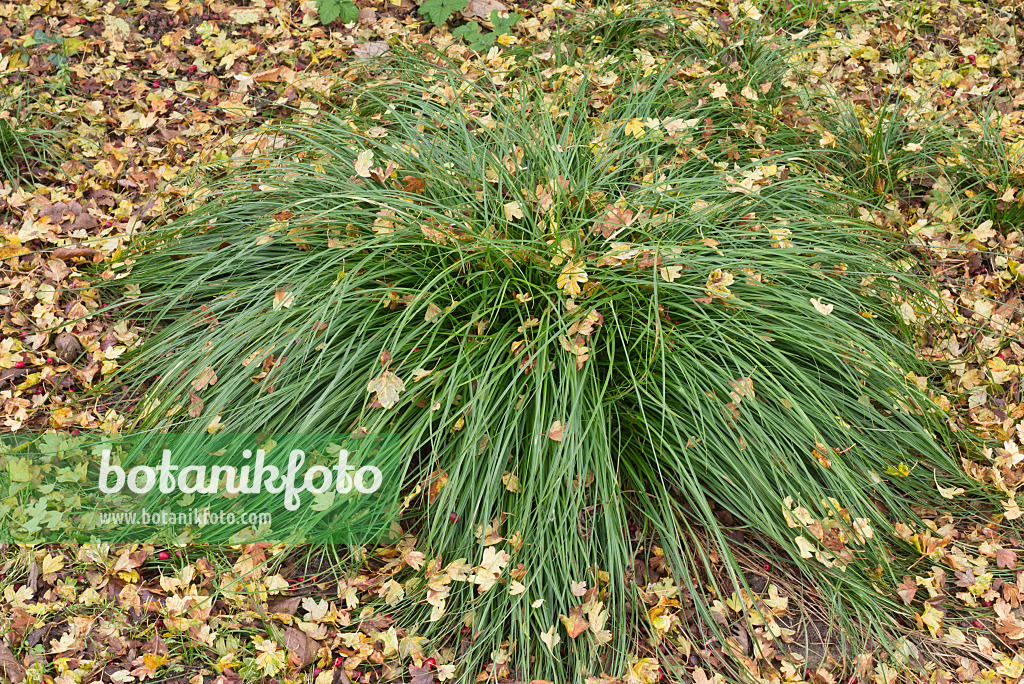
x=438 y=11
x=718 y=283
x=646 y=671
x=433 y=311
x=283 y=298
x=932 y=619
x=206 y=377
x=635 y=128
x=270 y=660
x=481 y=9
x=512 y=211
x=387 y=387
x=907 y=589
x=414 y=559
x=614 y=221
x=671 y=273
x=421 y=675
x=1006 y=558
x=821 y=307
x=572 y=276
x=551 y=639
x=494 y=560
x=575 y=624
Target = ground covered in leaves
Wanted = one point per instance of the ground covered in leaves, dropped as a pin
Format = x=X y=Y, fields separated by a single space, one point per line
x=107 y=111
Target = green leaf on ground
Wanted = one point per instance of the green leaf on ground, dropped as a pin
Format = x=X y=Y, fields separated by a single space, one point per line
x=438 y=11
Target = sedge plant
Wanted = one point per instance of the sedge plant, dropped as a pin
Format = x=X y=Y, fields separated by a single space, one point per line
x=574 y=317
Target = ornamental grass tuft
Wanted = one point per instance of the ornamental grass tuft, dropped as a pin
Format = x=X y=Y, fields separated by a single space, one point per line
x=593 y=325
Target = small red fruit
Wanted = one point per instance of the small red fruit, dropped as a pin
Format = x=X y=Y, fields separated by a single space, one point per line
x=429 y=662
x=75 y=432
x=977 y=624
x=454 y=517
x=19 y=364
x=50 y=361
x=767 y=567
x=163 y=555
x=337 y=663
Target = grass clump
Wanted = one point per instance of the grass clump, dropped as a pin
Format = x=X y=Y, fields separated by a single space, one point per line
x=574 y=319
x=27 y=141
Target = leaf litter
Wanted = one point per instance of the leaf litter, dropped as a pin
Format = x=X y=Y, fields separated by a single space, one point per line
x=143 y=94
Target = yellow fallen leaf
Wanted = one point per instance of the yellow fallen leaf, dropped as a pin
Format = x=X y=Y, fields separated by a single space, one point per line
x=821 y=307
x=387 y=387
x=551 y=639
x=572 y=276
x=671 y=273
x=283 y=298
x=1012 y=510
x=11 y=251
x=52 y=563
x=363 y=162
x=433 y=311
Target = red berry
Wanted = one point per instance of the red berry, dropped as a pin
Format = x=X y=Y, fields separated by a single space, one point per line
x=163 y=555
x=50 y=361
x=465 y=630
x=19 y=364
x=429 y=662
x=75 y=432
x=454 y=517
x=767 y=567
x=179 y=553
x=977 y=624
x=337 y=662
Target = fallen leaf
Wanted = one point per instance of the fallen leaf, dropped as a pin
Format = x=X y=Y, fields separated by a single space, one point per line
x=363 y=162
x=551 y=639
x=821 y=307
x=372 y=50
x=387 y=387
x=481 y=9
x=575 y=624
